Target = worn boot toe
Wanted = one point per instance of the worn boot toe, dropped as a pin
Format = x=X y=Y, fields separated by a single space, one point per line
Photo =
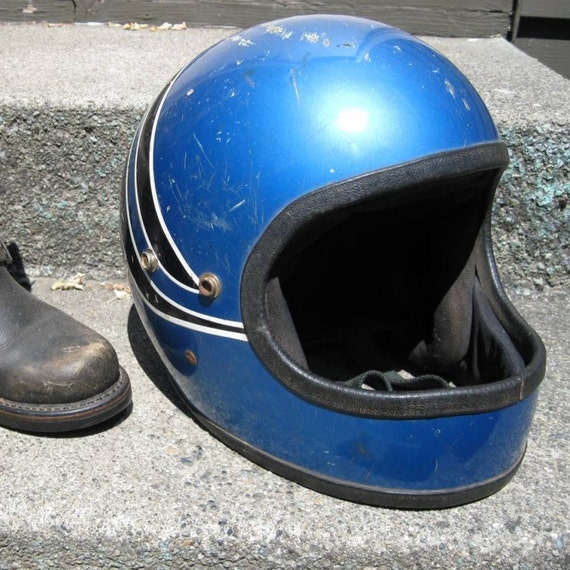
x=56 y=374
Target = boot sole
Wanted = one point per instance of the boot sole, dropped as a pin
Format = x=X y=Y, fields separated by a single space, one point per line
x=53 y=418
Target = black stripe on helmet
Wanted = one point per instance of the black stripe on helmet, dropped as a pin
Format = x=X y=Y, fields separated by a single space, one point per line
x=150 y=220
x=162 y=304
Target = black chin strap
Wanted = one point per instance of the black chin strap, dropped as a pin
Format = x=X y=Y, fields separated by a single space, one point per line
x=392 y=381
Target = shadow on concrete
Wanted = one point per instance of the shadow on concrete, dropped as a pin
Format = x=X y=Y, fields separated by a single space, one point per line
x=150 y=361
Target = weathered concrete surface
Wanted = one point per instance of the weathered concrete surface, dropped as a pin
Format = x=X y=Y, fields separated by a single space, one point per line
x=71 y=100
x=72 y=95
x=156 y=491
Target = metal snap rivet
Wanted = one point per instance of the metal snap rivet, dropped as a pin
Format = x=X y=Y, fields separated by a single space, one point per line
x=149 y=261
x=191 y=358
x=209 y=285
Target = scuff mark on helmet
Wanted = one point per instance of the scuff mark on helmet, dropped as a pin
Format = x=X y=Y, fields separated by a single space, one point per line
x=311 y=37
x=450 y=88
x=241 y=41
x=278 y=30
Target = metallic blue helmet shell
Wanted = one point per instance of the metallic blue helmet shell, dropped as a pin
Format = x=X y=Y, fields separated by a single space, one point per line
x=306 y=222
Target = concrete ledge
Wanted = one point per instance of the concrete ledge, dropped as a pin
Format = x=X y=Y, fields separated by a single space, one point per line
x=72 y=96
x=156 y=491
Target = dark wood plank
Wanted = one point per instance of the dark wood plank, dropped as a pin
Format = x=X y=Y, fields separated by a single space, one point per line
x=545 y=9
x=552 y=52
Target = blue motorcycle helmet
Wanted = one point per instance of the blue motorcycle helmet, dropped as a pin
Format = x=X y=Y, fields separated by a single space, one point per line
x=306 y=222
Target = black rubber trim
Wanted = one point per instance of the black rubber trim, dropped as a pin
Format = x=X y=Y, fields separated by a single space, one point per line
x=368 y=495
x=410 y=178
x=525 y=337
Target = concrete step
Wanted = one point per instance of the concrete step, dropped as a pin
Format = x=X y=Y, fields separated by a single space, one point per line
x=155 y=490
x=73 y=94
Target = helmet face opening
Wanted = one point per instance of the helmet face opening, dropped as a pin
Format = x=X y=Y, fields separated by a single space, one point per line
x=372 y=293
x=306 y=222
x=387 y=288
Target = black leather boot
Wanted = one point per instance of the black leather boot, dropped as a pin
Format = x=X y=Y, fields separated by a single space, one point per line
x=55 y=373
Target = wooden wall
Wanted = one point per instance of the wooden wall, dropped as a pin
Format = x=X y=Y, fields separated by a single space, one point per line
x=543 y=31
x=476 y=18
